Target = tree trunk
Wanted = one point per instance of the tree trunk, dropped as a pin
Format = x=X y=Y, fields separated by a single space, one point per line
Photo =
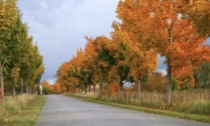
x=94 y=88
x=14 y=91
x=168 y=58
x=29 y=89
x=26 y=88
x=169 y=79
x=21 y=83
x=100 y=85
x=89 y=88
x=139 y=86
x=85 y=88
x=36 y=89
x=2 y=81
x=121 y=85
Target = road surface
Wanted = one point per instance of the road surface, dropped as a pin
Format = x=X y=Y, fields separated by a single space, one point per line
x=61 y=110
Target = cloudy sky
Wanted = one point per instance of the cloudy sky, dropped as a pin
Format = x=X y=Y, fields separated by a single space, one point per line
x=59 y=27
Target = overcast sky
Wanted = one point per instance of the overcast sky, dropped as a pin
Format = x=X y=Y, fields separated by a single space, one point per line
x=59 y=27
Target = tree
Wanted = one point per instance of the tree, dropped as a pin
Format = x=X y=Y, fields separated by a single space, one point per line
x=47 y=88
x=16 y=49
x=63 y=75
x=104 y=59
x=121 y=68
x=56 y=88
x=91 y=62
x=169 y=34
x=8 y=16
x=140 y=59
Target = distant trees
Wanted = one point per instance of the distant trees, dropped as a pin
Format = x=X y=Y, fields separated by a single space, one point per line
x=51 y=89
x=20 y=62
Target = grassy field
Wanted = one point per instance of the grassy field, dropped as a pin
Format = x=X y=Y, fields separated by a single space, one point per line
x=23 y=111
x=193 y=105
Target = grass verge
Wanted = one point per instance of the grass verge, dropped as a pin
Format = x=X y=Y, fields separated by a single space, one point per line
x=200 y=118
x=26 y=116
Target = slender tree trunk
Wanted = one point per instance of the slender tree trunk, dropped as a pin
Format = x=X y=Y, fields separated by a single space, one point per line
x=169 y=80
x=100 y=85
x=139 y=86
x=73 y=89
x=21 y=83
x=26 y=88
x=36 y=89
x=121 y=85
x=14 y=91
x=85 y=88
x=2 y=81
x=89 y=88
x=94 y=88
x=168 y=58
x=29 y=89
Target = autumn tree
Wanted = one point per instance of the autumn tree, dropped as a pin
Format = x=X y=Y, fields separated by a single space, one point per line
x=8 y=16
x=81 y=72
x=104 y=59
x=47 y=88
x=91 y=62
x=121 y=69
x=56 y=88
x=18 y=56
x=168 y=32
x=63 y=76
x=141 y=60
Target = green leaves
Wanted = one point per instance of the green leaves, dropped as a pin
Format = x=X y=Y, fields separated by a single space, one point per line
x=20 y=57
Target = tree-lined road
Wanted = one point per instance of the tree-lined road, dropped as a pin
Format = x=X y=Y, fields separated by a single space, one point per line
x=61 y=110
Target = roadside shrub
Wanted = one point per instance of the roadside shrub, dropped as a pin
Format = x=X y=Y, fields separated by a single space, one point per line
x=10 y=105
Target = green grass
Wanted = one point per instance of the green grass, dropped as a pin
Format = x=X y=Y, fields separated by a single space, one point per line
x=24 y=116
x=196 y=117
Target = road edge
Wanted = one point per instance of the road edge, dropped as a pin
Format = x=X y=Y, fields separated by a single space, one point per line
x=199 y=118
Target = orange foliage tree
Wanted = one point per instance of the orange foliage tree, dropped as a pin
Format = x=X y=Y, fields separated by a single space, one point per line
x=63 y=77
x=56 y=88
x=103 y=59
x=141 y=60
x=168 y=32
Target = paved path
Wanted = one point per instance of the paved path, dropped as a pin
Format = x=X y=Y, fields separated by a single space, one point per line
x=65 y=111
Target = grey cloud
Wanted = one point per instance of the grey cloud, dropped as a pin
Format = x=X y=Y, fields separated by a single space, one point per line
x=59 y=27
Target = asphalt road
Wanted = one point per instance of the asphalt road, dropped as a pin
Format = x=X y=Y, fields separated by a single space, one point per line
x=60 y=110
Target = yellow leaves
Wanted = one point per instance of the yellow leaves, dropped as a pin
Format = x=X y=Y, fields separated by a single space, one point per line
x=15 y=72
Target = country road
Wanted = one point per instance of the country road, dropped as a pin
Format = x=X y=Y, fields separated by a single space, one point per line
x=61 y=110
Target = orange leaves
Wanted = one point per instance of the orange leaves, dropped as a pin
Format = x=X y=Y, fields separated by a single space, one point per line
x=113 y=87
x=56 y=88
x=147 y=28
x=161 y=26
